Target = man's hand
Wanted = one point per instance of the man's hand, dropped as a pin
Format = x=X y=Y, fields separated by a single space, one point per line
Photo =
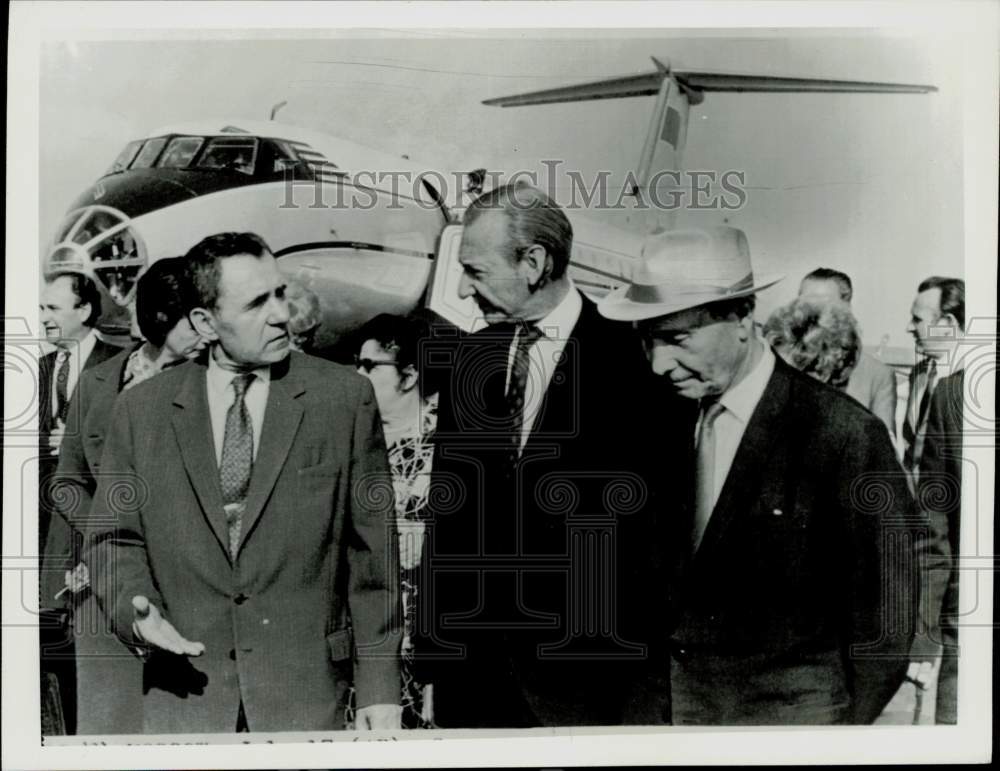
x=379 y=717
x=427 y=713
x=56 y=436
x=77 y=579
x=154 y=630
x=919 y=673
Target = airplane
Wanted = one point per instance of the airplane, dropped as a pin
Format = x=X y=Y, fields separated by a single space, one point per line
x=333 y=215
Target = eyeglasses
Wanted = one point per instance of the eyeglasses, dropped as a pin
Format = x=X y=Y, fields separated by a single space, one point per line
x=369 y=364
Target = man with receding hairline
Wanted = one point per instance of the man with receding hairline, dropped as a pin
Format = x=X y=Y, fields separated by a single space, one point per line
x=532 y=607
x=253 y=561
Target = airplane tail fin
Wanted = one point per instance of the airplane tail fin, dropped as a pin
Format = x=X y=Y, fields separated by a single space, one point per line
x=676 y=91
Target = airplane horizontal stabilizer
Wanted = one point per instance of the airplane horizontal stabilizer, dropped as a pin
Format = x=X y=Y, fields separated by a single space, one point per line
x=613 y=88
x=693 y=83
x=710 y=81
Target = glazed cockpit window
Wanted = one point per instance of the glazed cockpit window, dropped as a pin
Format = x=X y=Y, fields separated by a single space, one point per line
x=180 y=152
x=230 y=153
x=150 y=151
x=125 y=157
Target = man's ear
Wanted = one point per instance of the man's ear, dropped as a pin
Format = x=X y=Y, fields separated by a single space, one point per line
x=204 y=323
x=408 y=377
x=536 y=262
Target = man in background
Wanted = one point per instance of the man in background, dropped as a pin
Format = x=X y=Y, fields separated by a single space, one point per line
x=937 y=319
x=872 y=383
x=69 y=309
x=933 y=457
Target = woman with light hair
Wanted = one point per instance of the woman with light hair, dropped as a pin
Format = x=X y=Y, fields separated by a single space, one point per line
x=818 y=338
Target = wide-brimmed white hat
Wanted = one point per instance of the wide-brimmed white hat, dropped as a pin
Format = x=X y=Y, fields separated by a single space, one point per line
x=682 y=269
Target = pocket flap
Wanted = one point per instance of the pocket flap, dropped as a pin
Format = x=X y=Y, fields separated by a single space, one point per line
x=341 y=644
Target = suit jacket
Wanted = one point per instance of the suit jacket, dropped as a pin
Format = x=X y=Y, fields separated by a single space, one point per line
x=54 y=536
x=914 y=429
x=940 y=496
x=873 y=384
x=314 y=586
x=533 y=569
x=782 y=616
x=108 y=675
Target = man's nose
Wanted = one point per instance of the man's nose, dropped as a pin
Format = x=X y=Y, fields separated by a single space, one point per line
x=662 y=359
x=465 y=287
x=279 y=311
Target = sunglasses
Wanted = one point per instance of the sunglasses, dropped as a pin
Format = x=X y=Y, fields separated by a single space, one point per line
x=369 y=364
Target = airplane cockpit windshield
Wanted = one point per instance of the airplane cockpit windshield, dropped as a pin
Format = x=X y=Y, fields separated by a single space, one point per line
x=232 y=153
x=250 y=156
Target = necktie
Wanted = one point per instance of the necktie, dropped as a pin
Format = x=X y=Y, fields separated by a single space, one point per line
x=913 y=426
x=237 y=460
x=518 y=382
x=705 y=472
x=62 y=386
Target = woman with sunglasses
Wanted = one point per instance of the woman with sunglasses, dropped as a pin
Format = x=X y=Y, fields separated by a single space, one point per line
x=388 y=357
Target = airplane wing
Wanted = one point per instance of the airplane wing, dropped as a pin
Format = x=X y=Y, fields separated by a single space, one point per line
x=695 y=83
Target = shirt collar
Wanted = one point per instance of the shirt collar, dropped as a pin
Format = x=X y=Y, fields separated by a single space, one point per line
x=220 y=378
x=741 y=399
x=559 y=322
x=84 y=348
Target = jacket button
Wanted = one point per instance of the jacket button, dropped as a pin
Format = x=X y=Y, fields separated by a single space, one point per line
x=232 y=654
x=240 y=598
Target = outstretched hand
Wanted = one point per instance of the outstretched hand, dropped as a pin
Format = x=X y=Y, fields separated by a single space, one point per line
x=154 y=630
x=379 y=717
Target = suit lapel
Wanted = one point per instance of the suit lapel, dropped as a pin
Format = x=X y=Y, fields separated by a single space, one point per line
x=281 y=422
x=752 y=457
x=192 y=424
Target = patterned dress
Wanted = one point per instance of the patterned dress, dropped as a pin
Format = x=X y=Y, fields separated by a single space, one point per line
x=410 y=457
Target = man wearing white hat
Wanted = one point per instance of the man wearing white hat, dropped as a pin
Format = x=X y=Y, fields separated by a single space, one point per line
x=789 y=557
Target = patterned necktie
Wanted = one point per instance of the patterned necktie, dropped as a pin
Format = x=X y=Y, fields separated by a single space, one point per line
x=62 y=386
x=705 y=472
x=237 y=460
x=518 y=382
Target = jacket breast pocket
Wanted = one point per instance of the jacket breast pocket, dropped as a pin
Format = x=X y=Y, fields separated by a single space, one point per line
x=321 y=472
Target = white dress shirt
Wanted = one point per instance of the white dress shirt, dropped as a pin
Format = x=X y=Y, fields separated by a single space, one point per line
x=739 y=401
x=545 y=354
x=221 y=395
x=78 y=355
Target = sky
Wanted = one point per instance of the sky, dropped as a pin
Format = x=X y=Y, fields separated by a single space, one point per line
x=867 y=183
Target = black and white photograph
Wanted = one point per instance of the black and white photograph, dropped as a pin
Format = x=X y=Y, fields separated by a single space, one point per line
x=517 y=384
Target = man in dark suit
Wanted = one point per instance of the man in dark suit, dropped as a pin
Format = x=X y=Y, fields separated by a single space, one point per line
x=872 y=383
x=108 y=675
x=539 y=506
x=784 y=589
x=244 y=505
x=937 y=318
x=70 y=307
x=940 y=495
